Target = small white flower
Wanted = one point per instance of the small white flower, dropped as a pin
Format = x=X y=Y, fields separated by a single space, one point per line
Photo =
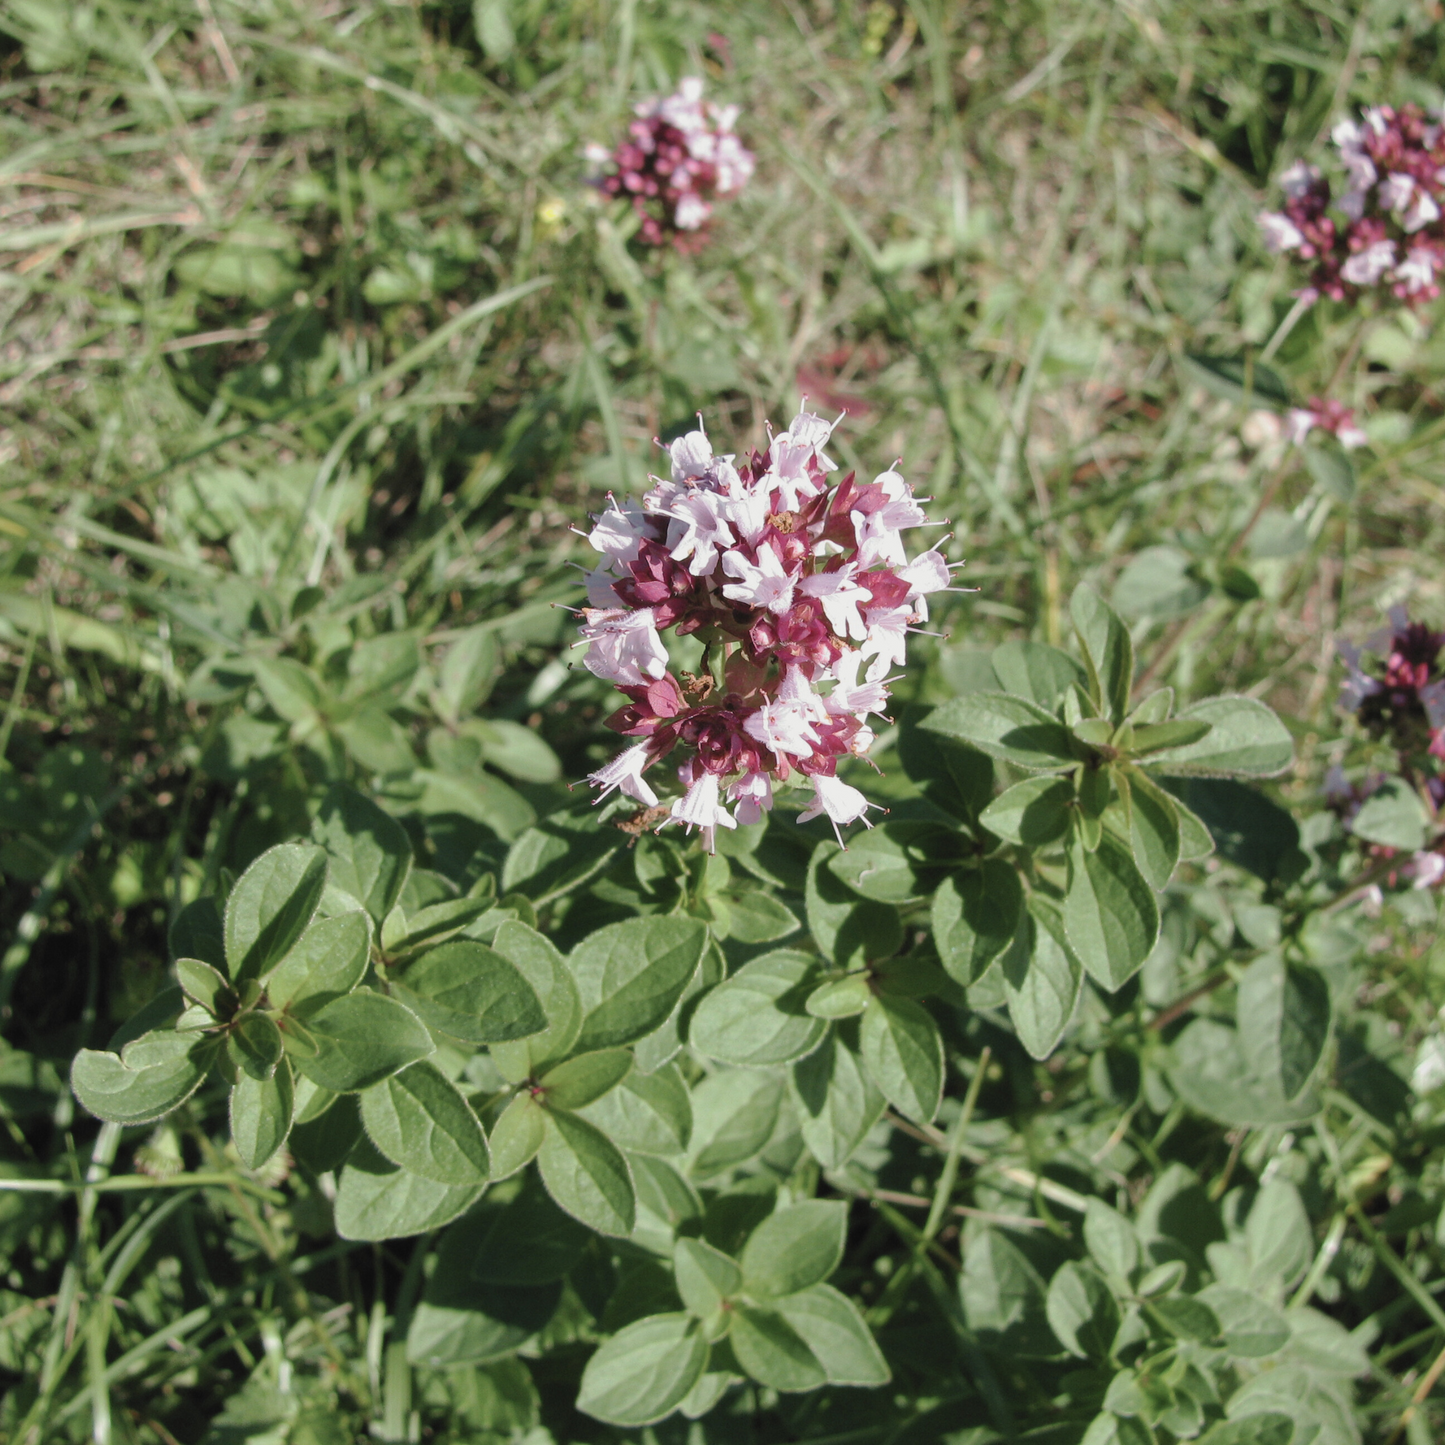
x=691 y=456
x=887 y=642
x=625 y=772
x=1350 y=437
x=926 y=573
x=1279 y=232
x=762 y=584
x=1395 y=191
x=690 y=212
x=1417 y=271
x=1299 y=422
x=1421 y=214
x=600 y=592
x=700 y=807
x=1298 y=180
x=617 y=533
x=797 y=691
x=1427 y=869
x=625 y=646
x=753 y=794
x=841 y=803
x=748 y=512
x=782 y=727
x=1366 y=267
x=842 y=598
x=698 y=529
x=851 y=697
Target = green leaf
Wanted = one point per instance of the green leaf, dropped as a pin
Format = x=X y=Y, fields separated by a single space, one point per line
x=253 y=1044
x=459 y=1322
x=759 y=1016
x=405 y=934
x=1237 y=379
x=1332 y=470
x=377 y=740
x=848 y=929
x=705 y=1276
x=1278 y=1233
x=1010 y=728
x=419 y=1120
x=794 y=1248
x=646 y=1113
x=758 y=917
x=517 y=1135
x=1111 y=1240
x=630 y=975
x=199 y=931
x=1081 y=1311
x=558 y=855
x=1284 y=1021
x=830 y=1325
x=1244 y=737
x=546 y=970
x=261 y=1111
x=1108 y=651
x=890 y=863
x=1042 y=980
x=465 y=678
x=1153 y=828
x=645 y=1371
x=1250 y=1327
x=375 y=1199
x=975 y=916
x=734 y=1113
x=291 y=688
x=840 y=998
x=1034 y=670
x=1265 y=1428
x=1393 y=817
x=1209 y=1072
x=666 y=1203
x=952 y=776
x=584 y=1078
x=1178 y=733
x=156 y=1073
x=370 y=851
x=1159 y=582
x=1196 y=842
x=526 y=1241
x=362 y=1039
x=328 y=961
x=518 y=751
x=1110 y=917
x=1033 y=813
x=471 y=992
x=836 y=1101
x=1185 y=1317
x=1003 y=1297
x=207 y=986
x=772 y=1351
x=587 y=1175
x=903 y=1051
x=270 y=906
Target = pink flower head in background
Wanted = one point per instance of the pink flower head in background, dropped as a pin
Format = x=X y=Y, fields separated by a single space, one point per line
x=1385 y=226
x=680 y=154
x=1395 y=686
x=1333 y=417
x=799 y=588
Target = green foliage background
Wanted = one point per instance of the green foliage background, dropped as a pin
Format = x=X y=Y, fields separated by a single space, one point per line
x=316 y=347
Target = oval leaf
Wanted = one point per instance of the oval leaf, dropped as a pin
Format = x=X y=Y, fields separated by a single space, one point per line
x=419 y=1120
x=760 y=1016
x=644 y=1372
x=360 y=1040
x=587 y=1175
x=903 y=1050
x=630 y=975
x=471 y=992
x=270 y=906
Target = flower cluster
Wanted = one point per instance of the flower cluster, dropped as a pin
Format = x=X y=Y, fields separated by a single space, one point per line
x=801 y=593
x=1395 y=686
x=1388 y=226
x=680 y=154
x=1332 y=417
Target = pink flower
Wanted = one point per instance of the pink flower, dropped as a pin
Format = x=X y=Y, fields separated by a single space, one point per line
x=625 y=772
x=764 y=583
x=625 y=646
x=841 y=803
x=803 y=595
